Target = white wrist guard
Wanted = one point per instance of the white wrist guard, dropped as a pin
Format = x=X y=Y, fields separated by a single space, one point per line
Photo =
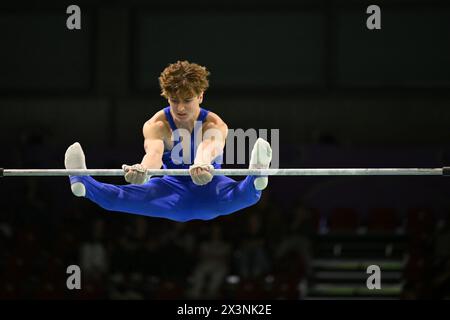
x=203 y=177
x=136 y=174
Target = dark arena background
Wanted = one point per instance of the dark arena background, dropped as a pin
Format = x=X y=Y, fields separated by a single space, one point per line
x=342 y=96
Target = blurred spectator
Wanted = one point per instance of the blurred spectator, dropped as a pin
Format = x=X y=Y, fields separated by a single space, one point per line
x=94 y=262
x=296 y=245
x=252 y=257
x=273 y=218
x=442 y=242
x=212 y=266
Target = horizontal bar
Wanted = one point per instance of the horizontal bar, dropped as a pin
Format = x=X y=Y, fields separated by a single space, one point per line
x=236 y=172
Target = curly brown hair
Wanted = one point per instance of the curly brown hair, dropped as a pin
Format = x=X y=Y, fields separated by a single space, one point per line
x=183 y=79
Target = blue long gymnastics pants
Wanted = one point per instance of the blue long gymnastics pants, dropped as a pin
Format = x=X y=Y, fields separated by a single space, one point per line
x=174 y=198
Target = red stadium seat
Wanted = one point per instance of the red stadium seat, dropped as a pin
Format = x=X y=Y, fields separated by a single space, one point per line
x=382 y=219
x=419 y=220
x=344 y=219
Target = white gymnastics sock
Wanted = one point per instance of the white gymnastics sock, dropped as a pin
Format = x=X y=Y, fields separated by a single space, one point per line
x=74 y=159
x=260 y=159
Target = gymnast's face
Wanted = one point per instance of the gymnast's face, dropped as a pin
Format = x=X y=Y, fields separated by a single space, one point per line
x=185 y=109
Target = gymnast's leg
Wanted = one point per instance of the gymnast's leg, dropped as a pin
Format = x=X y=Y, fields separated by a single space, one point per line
x=231 y=196
x=159 y=197
x=228 y=195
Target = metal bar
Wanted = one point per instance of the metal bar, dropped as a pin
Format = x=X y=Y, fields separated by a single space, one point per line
x=235 y=172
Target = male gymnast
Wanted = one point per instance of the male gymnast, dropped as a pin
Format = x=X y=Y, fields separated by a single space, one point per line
x=180 y=198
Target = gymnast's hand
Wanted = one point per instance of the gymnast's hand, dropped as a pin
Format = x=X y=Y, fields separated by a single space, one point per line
x=201 y=174
x=135 y=174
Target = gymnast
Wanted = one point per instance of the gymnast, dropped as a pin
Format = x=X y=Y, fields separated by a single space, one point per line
x=202 y=195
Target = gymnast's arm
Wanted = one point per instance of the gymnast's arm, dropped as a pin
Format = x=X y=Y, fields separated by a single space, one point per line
x=153 y=144
x=214 y=137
